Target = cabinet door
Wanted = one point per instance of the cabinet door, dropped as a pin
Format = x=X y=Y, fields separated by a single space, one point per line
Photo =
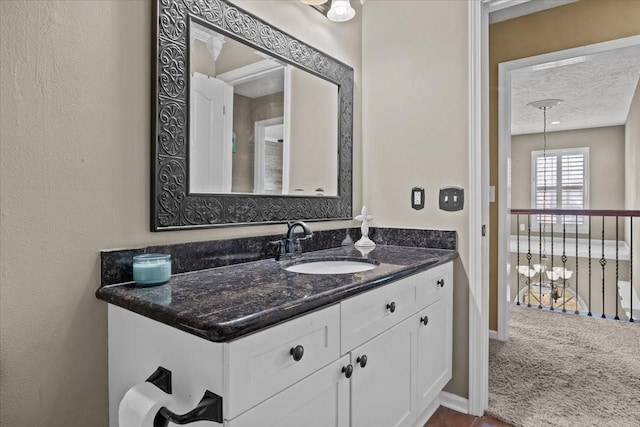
x=322 y=399
x=383 y=392
x=434 y=349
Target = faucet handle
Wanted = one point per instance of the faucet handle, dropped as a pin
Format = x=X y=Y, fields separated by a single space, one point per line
x=305 y=237
x=279 y=248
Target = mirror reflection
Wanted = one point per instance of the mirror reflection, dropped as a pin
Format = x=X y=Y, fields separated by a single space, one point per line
x=256 y=124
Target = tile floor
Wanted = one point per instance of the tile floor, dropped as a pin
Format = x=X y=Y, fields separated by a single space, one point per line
x=444 y=417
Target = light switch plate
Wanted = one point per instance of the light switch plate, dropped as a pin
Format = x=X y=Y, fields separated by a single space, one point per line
x=417 y=198
x=451 y=199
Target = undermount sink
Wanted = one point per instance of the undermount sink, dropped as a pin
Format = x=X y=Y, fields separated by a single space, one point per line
x=331 y=266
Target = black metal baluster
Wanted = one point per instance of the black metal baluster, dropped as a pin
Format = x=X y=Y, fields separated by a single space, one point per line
x=589 y=313
x=529 y=256
x=564 y=265
x=552 y=292
x=518 y=258
x=617 y=292
x=631 y=270
x=603 y=263
x=540 y=261
x=577 y=283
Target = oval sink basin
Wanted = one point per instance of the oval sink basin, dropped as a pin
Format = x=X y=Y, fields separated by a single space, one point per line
x=331 y=267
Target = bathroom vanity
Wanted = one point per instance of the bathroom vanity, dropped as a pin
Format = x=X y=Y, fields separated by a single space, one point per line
x=288 y=349
x=235 y=331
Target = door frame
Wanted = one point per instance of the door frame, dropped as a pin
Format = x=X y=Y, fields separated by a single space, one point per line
x=478 y=22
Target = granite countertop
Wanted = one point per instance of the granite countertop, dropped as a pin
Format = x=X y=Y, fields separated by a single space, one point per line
x=224 y=303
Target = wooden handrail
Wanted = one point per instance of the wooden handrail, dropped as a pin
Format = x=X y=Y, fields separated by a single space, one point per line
x=579 y=212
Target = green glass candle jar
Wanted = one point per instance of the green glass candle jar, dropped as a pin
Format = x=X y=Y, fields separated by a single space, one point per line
x=151 y=269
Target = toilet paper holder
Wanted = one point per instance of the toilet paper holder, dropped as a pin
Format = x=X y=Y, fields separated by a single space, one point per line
x=161 y=378
x=208 y=409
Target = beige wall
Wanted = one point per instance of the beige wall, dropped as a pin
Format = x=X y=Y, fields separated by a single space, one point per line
x=242 y=159
x=415 y=128
x=576 y=24
x=314 y=134
x=75 y=85
x=606 y=177
x=201 y=60
x=632 y=179
x=235 y=55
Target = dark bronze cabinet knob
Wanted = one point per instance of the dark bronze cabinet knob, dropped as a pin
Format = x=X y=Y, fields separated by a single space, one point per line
x=441 y=283
x=348 y=370
x=362 y=360
x=297 y=352
x=424 y=320
x=391 y=306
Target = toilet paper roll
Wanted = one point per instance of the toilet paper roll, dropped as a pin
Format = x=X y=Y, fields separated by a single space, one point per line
x=140 y=405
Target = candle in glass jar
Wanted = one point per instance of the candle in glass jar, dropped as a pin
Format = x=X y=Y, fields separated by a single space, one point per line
x=151 y=269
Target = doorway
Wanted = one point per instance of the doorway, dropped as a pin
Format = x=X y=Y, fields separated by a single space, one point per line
x=506 y=71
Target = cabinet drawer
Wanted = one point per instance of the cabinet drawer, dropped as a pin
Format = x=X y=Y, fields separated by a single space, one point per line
x=369 y=314
x=260 y=365
x=436 y=283
x=321 y=399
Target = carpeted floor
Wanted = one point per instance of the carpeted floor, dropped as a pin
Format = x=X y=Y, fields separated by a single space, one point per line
x=565 y=370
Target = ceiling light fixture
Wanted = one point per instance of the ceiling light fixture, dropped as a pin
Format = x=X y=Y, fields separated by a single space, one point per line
x=544 y=105
x=314 y=2
x=341 y=11
x=555 y=122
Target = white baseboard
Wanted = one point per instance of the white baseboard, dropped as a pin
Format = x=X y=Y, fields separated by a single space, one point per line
x=454 y=402
x=493 y=335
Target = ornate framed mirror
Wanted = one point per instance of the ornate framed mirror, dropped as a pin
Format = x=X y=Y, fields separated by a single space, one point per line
x=216 y=162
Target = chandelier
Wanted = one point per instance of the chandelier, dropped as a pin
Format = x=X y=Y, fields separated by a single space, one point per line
x=544 y=105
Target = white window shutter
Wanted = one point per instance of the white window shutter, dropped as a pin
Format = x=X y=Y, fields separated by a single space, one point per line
x=560 y=181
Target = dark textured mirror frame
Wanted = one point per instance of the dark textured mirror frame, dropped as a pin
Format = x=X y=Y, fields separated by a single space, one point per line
x=172 y=206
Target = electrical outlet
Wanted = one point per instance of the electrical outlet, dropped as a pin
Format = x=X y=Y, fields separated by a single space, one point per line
x=521 y=227
x=417 y=198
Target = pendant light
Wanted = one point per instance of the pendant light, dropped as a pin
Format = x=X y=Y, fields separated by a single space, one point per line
x=544 y=105
x=341 y=11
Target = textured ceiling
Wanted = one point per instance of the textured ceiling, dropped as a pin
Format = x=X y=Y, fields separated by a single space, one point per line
x=597 y=91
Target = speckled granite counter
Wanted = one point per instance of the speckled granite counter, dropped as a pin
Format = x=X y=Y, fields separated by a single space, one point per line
x=224 y=303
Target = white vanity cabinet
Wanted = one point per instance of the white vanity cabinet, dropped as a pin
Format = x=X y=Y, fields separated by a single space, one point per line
x=407 y=364
x=379 y=358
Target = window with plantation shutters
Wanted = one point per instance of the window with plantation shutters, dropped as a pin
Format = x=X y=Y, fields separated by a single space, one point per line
x=560 y=181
